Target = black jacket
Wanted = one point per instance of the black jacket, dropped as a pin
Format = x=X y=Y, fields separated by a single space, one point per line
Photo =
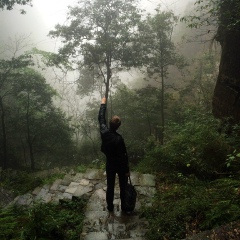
x=113 y=145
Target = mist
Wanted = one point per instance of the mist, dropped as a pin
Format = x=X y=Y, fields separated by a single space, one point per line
x=35 y=25
x=44 y=15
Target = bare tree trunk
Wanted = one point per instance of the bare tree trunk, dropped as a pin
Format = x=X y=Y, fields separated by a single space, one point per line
x=4 y=160
x=162 y=95
x=24 y=152
x=29 y=140
x=162 y=109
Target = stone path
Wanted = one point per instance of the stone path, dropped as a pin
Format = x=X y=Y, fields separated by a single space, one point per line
x=92 y=185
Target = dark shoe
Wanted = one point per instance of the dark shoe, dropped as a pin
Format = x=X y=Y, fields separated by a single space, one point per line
x=110 y=214
x=110 y=217
x=110 y=209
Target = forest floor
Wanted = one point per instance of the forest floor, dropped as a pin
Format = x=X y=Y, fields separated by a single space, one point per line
x=91 y=185
x=98 y=225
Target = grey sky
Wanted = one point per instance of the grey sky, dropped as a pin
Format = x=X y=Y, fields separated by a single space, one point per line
x=45 y=14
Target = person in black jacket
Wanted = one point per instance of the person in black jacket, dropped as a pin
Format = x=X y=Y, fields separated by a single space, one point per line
x=114 y=148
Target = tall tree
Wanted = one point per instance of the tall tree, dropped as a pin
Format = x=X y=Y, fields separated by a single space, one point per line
x=31 y=127
x=161 y=53
x=9 y=70
x=225 y=15
x=35 y=98
x=101 y=34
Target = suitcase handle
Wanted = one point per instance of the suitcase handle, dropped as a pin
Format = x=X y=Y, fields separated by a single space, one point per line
x=130 y=180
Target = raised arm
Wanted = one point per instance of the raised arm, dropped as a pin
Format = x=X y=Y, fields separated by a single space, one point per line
x=101 y=116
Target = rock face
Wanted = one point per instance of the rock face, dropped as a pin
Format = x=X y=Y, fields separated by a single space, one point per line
x=226 y=99
x=92 y=185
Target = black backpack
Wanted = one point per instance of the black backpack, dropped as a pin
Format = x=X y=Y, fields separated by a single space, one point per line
x=130 y=196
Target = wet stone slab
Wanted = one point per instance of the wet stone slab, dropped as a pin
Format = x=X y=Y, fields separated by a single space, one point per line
x=66 y=180
x=57 y=197
x=42 y=194
x=24 y=200
x=62 y=188
x=97 y=206
x=147 y=180
x=99 y=185
x=94 y=174
x=96 y=236
x=71 y=190
x=78 y=177
x=36 y=191
x=138 y=233
x=55 y=185
x=81 y=190
x=135 y=178
x=67 y=196
x=84 y=182
x=146 y=191
x=137 y=224
x=101 y=194
x=116 y=228
x=95 y=215
x=73 y=186
x=134 y=238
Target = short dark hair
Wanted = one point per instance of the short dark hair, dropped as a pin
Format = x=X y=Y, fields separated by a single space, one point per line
x=115 y=123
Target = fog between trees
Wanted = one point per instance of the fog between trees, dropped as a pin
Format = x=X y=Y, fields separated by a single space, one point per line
x=145 y=96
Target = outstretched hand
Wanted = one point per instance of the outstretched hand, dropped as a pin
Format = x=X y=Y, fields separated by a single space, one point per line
x=104 y=100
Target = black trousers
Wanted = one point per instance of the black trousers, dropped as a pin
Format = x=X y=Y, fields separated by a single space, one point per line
x=111 y=175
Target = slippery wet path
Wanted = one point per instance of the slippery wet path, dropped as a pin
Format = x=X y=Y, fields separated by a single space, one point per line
x=92 y=185
x=98 y=225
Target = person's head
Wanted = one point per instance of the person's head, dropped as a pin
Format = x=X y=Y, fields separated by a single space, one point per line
x=115 y=123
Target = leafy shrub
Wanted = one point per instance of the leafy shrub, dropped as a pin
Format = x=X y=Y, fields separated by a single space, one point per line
x=43 y=221
x=193 y=146
x=88 y=151
x=19 y=181
x=191 y=206
x=8 y=222
x=81 y=168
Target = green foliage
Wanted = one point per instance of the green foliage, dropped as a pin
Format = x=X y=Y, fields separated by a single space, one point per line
x=224 y=14
x=189 y=206
x=193 y=146
x=160 y=51
x=139 y=118
x=81 y=168
x=103 y=33
x=9 y=4
x=160 y=54
x=43 y=221
x=233 y=160
x=50 y=179
x=33 y=131
x=19 y=182
x=199 y=90
x=8 y=222
x=87 y=151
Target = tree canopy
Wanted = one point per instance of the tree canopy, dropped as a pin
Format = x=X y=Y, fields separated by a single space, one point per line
x=31 y=128
x=100 y=35
x=9 y=4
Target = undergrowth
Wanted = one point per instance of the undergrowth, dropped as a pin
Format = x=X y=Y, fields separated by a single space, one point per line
x=61 y=221
x=21 y=182
x=197 y=172
x=183 y=208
